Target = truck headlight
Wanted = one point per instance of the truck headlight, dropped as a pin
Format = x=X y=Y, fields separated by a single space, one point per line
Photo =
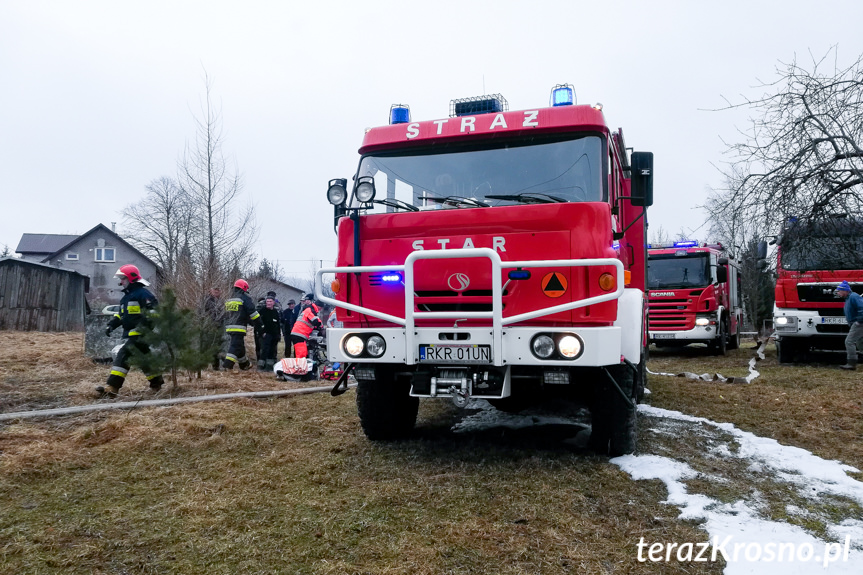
x=702 y=321
x=542 y=346
x=569 y=346
x=785 y=323
x=376 y=346
x=354 y=346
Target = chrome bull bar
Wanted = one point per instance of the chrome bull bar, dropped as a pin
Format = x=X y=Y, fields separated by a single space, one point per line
x=496 y=313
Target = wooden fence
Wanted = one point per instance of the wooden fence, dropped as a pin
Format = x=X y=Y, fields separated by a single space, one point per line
x=39 y=297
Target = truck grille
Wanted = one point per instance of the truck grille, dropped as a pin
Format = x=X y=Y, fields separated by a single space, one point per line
x=832 y=328
x=817 y=293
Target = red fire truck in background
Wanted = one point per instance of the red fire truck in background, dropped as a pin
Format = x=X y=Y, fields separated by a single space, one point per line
x=812 y=259
x=493 y=254
x=694 y=296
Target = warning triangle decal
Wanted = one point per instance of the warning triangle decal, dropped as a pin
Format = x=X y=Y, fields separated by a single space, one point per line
x=554 y=284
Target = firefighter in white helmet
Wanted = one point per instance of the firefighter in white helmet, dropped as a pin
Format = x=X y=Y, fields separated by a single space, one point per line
x=137 y=303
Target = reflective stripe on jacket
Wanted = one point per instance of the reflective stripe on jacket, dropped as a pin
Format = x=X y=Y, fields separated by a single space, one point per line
x=239 y=312
x=136 y=305
x=307 y=321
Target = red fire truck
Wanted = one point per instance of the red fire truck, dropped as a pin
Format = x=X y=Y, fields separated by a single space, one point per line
x=694 y=296
x=493 y=254
x=812 y=259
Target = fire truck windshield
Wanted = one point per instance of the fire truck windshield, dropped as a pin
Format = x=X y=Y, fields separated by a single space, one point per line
x=667 y=271
x=822 y=253
x=452 y=176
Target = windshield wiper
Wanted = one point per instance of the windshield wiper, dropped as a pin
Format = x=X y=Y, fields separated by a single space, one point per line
x=528 y=198
x=395 y=203
x=456 y=201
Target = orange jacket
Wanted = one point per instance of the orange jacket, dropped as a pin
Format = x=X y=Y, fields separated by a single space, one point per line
x=307 y=321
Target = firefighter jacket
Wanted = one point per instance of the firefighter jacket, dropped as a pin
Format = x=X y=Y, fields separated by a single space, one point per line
x=135 y=307
x=239 y=312
x=307 y=321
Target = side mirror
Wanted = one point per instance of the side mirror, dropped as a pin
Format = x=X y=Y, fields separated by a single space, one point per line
x=641 y=190
x=721 y=275
x=761 y=250
x=722 y=261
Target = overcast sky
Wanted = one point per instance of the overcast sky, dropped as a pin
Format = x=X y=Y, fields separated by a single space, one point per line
x=98 y=98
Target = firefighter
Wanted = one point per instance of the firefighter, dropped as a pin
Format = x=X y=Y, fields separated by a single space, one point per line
x=137 y=303
x=306 y=322
x=239 y=312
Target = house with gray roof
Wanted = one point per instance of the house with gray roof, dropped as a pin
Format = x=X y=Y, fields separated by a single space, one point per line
x=97 y=254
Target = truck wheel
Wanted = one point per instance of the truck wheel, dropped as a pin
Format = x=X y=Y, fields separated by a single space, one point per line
x=734 y=340
x=613 y=419
x=386 y=409
x=720 y=344
x=786 y=349
x=641 y=379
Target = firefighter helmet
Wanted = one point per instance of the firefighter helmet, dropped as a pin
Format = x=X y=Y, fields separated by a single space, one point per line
x=131 y=273
x=242 y=284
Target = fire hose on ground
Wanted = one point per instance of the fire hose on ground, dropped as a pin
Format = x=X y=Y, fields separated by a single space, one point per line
x=159 y=402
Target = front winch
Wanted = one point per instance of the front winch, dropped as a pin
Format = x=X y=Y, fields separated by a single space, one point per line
x=460 y=383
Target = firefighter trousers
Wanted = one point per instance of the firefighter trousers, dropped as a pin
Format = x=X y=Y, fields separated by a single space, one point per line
x=236 y=351
x=301 y=348
x=137 y=350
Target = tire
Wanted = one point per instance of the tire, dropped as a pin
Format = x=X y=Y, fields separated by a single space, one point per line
x=641 y=379
x=786 y=349
x=734 y=340
x=720 y=344
x=613 y=419
x=386 y=409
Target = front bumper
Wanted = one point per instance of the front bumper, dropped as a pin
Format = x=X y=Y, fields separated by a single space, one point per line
x=698 y=333
x=792 y=322
x=601 y=345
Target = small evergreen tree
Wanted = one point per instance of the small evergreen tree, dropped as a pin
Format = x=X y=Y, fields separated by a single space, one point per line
x=179 y=339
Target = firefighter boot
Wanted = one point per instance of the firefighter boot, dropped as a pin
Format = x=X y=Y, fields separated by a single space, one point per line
x=107 y=391
x=156 y=383
x=851 y=365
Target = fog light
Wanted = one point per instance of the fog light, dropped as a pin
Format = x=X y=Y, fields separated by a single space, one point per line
x=569 y=346
x=781 y=321
x=376 y=346
x=353 y=346
x=543 y=346
x=702 y=321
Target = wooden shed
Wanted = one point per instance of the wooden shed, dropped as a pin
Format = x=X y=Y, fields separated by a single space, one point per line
x=40 y=297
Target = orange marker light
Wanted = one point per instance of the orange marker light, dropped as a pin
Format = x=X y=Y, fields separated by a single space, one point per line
x=606 y=281
x=335 y=286
x=627 y=277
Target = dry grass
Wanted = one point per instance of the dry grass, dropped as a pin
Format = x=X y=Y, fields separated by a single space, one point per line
x=293 y=486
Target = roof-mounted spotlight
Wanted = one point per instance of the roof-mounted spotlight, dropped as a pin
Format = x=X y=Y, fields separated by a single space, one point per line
x=563 y=95
x=400 y=114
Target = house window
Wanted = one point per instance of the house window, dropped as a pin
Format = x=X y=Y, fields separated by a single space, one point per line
x=104 y=254
x=72 y=257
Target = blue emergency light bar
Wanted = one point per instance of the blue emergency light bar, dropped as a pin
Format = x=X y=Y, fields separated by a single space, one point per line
x=391 y=278
x=400 y=114
x=563 y=95
x=686 y=244
x=519 y=274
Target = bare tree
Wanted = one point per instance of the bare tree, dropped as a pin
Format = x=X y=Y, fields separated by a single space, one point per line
x=160 y=225
x=802 y=156
x=226 y=230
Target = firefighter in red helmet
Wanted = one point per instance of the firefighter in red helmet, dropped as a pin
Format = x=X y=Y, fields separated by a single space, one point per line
x=239 y=312
x=137 y=303
x=304 y=325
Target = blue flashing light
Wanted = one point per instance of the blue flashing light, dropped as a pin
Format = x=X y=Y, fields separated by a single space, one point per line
x=519 y=274
x=391 y=278
x=616 y=245
x=400 y=114
x=562 y=95
x=686 y=244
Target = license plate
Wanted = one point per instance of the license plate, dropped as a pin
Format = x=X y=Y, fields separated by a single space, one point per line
x=663 y=336
x=839 y=320
x=455 y=353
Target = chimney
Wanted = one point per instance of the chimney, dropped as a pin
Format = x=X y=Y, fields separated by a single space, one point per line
x=114 y=227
